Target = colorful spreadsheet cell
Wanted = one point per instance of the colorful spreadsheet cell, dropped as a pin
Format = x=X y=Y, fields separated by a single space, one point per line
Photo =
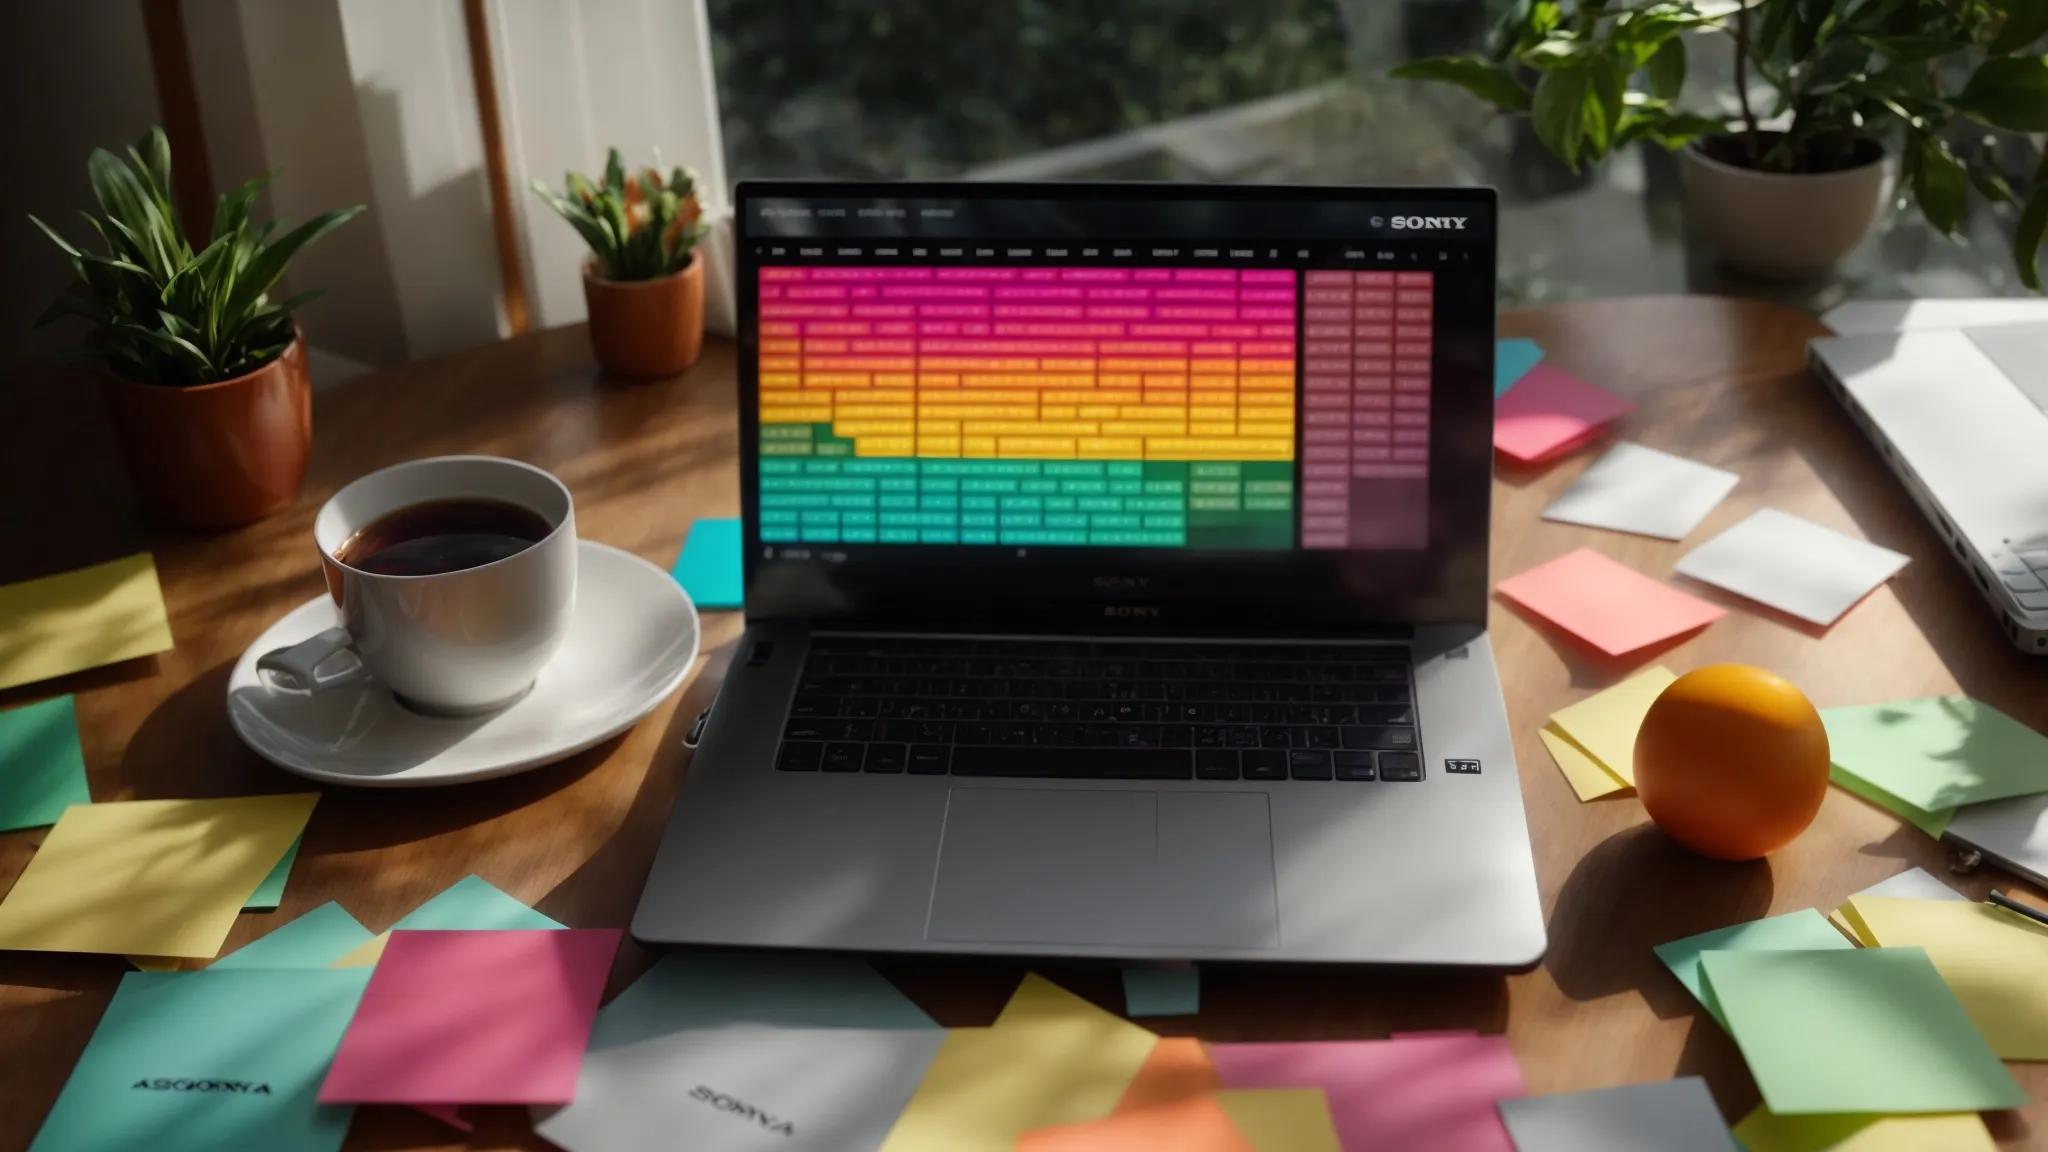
x=1366 y=382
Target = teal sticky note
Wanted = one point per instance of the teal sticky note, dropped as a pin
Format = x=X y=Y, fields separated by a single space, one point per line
x=1162 y=990
x=709 y=567
x=1512 y=359
x=1804 y=930
x=205 y=1061
x=709 y=990
x=314 y=940
x=271 y=891
x=1860 y=1030
x=472 y=903
x=42 y=769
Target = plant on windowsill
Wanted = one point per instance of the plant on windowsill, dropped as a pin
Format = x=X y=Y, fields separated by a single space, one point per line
x=644 y=284
x=1850 y=78
x=205 y=374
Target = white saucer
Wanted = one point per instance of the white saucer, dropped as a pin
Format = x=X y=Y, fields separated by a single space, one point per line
x=632 y=639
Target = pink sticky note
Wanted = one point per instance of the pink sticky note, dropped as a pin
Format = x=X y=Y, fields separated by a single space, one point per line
x=1549 y=413
x=1420 y=1094
x=1606 y=603
x=454 y=1017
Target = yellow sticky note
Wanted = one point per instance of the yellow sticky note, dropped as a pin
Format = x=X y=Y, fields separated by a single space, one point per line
x=1282 y=1119
x=365 y=954
x=81 y=619
x=1993 y=960
x=1951 y=1132
x=153 y=878
x=1605 y=724
x=1589 y=780
x=1849 y=927
x=1051 y=1058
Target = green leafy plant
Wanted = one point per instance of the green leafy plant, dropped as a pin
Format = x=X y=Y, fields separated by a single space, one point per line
x=160 y=312
x=1594 y=75
x=637 y=228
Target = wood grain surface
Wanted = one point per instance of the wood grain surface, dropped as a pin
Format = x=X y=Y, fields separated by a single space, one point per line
x=1721 y=381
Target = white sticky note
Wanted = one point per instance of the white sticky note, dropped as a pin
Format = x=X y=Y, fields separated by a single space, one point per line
x=1644 y=491
x=1913 y=884
x=1793 y=565
x=1672 y=1116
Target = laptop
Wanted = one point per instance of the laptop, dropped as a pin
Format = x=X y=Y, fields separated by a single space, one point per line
x=1116 y=583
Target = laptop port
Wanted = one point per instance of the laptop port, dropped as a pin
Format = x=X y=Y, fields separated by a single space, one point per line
x=1983 y=581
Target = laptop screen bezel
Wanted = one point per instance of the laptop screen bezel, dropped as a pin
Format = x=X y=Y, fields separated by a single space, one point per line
x=1171 y=592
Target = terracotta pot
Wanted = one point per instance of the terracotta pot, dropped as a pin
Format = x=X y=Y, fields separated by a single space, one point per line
x=646 y=328
x=1785 y=226
x=218 y=455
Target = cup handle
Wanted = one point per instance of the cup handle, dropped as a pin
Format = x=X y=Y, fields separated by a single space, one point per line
x=298 y=668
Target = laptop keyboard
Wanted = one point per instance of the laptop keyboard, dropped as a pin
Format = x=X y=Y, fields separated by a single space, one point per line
x=1103 y=710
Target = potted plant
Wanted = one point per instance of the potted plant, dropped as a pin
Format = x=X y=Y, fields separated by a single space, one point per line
x=204 y=374
x=1852 y=80
x=643 y=283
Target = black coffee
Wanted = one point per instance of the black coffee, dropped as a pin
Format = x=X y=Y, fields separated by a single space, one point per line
x=443 y=536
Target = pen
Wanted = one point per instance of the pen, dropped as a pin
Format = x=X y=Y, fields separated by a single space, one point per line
x=2012 y=905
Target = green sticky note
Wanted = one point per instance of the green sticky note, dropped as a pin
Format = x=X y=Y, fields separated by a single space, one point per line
x=1804 y=930
x=204 y=1061
x=708 y=990
x=1938 y=752
x=1162 y=990
x=314 y=940
x=709 y=566
x=472 y=903
x=1856 y=1030
x=1933 y=823
x=271 y=891
x=42 y=769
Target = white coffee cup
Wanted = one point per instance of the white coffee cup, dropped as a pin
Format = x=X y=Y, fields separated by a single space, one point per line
x=458 y=642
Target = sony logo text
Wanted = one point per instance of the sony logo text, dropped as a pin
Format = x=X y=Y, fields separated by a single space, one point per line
x=724 y=1103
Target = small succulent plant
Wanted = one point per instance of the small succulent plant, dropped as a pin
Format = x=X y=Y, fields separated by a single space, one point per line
x=638 y=228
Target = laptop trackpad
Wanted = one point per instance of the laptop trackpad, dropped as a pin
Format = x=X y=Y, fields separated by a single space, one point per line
x=1068 y=866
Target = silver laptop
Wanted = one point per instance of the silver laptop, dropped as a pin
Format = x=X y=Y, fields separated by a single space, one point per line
x=1116 y=583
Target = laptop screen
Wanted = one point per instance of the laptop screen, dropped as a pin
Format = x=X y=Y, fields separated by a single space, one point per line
x=1110 y=382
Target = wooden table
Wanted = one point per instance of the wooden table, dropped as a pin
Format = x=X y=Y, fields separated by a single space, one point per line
x=1721 y=381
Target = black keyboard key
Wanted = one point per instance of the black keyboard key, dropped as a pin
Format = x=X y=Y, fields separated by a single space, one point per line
x=1095 y=735
x=865 y=707
x=974 y=733
x=1402 y=713
x=1176 y=736
x=1244 y=736
x=885 y=758
x=1137 y=736
x=1264 y=763
x=1319 y=737
x=930 y=760
x=809 y=729
x=1053 y=735
x=802 y=756
x=1215 y=764
x=1391 y=736
x=1308 y=764
x=895 y=731
x=1275 y=736
x=1211 y=736
x=932 y=732
x=862 y=730
x=843 y=757
x=1405 y=766
x=814 y=704
x=1013 y=735
x=1075 y=763
x=1354 y=765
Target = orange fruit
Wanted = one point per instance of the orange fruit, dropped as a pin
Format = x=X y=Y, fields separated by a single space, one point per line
x=1732 y=761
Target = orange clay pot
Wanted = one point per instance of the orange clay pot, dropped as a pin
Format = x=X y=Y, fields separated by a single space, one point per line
x=217 y=455
x=642 y=329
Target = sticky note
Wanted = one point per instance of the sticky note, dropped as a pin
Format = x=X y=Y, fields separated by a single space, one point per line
x=1995 y=961
x=42 y=768
x=449 y=1114
x=1162 y=990
x=1178 y=1067
x=316 y=939
x=709 y=566
x=1549 y=413
x=688 y=990
x=1641 y=490
x=1953 y=1132
x=1512 y=359
x=1283 y=1119
x=1913 y=884
x=204 y=1061
x=1197 y=1124
x=1607 y=604
x=1588 y=778
x=1939 y=751
x=271 y=891
x=1793 y=565
x=1670 y=1116
x=474 y=1017
x=469 y=903
x=1804 y=930
x=1376 y=1098
x=1855 y=1030
x=1933 y=823
x=1603 y=726
x=1050 y=1059
x=153 y=877
x=81 y=619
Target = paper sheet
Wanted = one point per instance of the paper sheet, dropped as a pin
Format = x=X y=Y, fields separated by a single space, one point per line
x=205 y=1061
x=314 y=940
x=1956 y=1132
x=1609 y=605
x=1283 y=1119
x=474 y=1017
x=1162 y=990
x=1938 y=752
x=469 y=903
x=1644 y=491
x=709 y=567
x=1196 y=1124
x=1512 y=359
x=1804 y=930
x=149 y=877
x=42 y=768
x=686 y=990
x=1604 y=725
x=1588 y=779
x=1995 y=961
x=1857 y=1030
x=1932 y=823
x=1669 y=1116
x=1379 y=1097
x=81 y=619
x=1793 y=565
x=1177 y=1067
x=1549 y=413
x=269 y=893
